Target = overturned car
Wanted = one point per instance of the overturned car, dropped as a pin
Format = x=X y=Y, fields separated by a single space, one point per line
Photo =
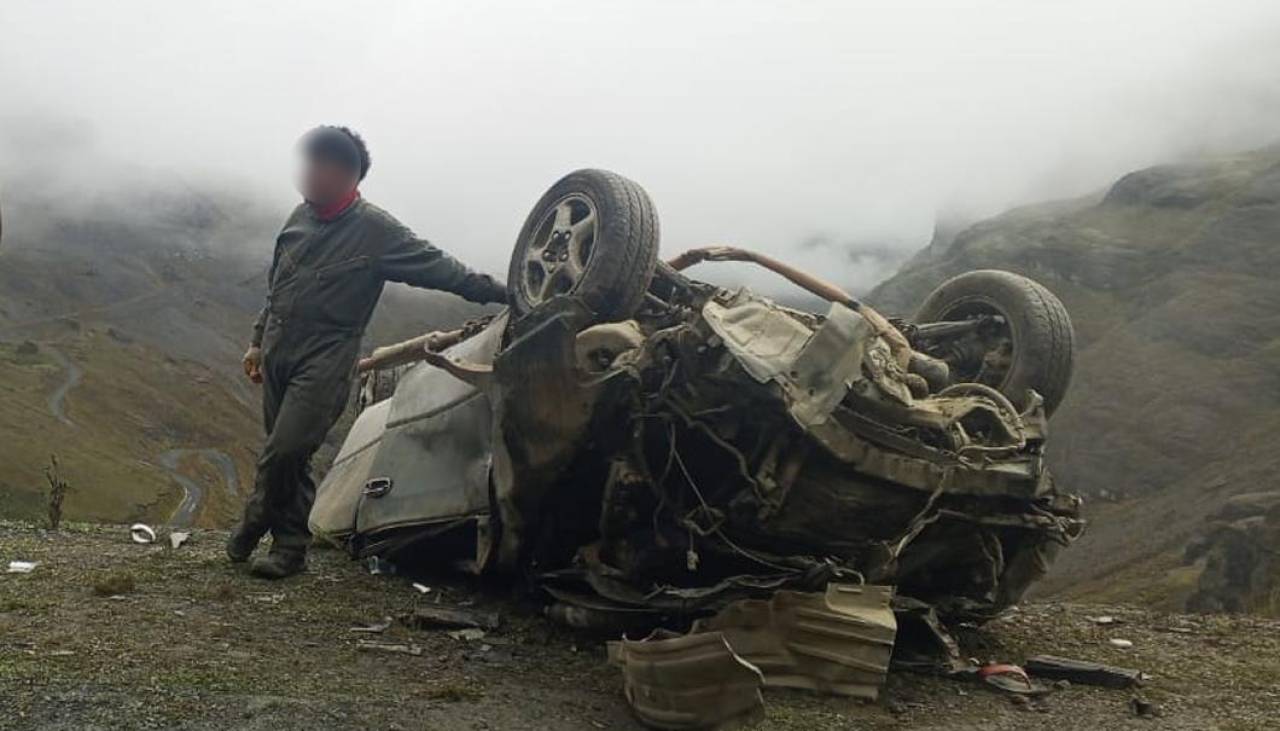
x=644 y=448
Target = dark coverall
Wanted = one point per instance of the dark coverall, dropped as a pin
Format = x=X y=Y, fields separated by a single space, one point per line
x=326 y=277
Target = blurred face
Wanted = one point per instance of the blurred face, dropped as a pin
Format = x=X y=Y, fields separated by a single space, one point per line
x=322 y=181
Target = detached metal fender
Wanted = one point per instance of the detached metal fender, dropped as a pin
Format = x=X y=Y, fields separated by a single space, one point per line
x=541 y=413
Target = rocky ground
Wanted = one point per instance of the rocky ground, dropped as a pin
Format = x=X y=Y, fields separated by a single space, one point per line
x=108 y=634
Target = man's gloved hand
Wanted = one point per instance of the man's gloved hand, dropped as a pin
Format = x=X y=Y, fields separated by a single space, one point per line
x=252 y=363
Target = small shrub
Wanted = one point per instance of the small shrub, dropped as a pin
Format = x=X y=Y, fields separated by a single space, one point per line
x=58 y=489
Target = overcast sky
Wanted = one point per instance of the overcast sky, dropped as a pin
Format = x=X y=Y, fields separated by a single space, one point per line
x=763 y=124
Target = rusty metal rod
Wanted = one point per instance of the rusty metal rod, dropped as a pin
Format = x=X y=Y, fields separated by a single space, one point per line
x=411 y=350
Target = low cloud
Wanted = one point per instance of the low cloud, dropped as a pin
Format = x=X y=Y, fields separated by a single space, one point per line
x=830 y=133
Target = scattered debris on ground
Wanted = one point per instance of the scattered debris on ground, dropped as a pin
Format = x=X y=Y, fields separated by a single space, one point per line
x=282 y=656
x=467 y=635
x=375 y=628
x=142 y=534
x=1009 y=678
x=436 y=616
x=1083 y=672
x=372 y=646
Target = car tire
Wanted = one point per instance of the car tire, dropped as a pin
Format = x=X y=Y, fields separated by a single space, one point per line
x=606 y=261
x=1040 y=331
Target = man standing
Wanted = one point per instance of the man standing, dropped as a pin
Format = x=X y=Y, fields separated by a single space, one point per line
x=332 y=258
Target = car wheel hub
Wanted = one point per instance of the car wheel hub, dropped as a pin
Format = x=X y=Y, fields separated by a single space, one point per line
x=561 y=249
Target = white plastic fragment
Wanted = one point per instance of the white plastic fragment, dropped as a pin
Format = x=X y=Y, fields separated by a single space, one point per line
x=272 y=599
x=142 y=534
x=372 y=645
x=468 y=634
x=177 y=538
x=22 y=567
x=1121 y=643
x=375 y=628
x=422 y=588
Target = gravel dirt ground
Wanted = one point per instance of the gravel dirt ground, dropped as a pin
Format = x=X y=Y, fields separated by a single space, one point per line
x=183 y=639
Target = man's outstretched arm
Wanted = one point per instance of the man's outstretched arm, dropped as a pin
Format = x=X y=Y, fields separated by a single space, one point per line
x=417 y=262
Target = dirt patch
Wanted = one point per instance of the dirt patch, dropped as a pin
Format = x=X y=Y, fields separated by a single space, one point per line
x=199 y=644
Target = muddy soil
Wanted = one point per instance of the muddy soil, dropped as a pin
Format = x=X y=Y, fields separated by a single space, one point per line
x=198 y=644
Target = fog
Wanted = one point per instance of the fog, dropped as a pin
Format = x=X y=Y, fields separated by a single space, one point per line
x=831 y=133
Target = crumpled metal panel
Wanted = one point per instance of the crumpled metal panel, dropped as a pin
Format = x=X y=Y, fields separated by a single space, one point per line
x=429 y=444
x=686 y=682
x=820 y=376
x=764 y=339
x=436 y=450
x=333 y=516
x=835 y=642
x=814 y=367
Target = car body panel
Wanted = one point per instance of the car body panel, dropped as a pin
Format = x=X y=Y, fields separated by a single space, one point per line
x=421 y=457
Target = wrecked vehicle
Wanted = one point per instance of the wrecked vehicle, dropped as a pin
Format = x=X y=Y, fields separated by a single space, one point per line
x=646 y=449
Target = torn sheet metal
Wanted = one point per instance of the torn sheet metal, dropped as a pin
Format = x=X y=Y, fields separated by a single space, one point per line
x=813 y=366
x=923 y=644
x=818 y=366
x=822 y=373
x=838 y=641
x=763 y=338
x=687 y=681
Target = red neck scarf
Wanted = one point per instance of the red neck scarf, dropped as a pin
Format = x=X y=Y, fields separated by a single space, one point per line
x=335 y=209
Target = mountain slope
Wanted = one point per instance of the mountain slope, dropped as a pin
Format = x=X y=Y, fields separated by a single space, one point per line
x=123 y=318
x=1171 y=281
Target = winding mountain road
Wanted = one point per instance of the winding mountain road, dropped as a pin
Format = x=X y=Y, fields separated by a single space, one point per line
x=192 y=492
x=58 y=399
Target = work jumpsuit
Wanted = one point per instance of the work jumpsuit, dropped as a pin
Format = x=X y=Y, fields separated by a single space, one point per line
x=325 y=280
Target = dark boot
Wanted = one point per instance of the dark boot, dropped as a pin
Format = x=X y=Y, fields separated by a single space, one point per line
x=280 y=562
x=241 y=542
